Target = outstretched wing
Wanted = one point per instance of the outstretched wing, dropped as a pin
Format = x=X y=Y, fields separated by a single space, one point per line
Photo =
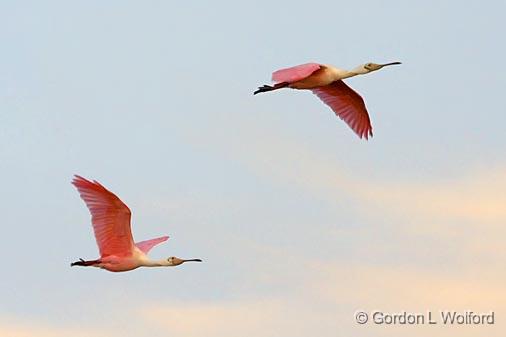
x=348 y=105
x=110 y=218
x=145 y=246
x=296 y=73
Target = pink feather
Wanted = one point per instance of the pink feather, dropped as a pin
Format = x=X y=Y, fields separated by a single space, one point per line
x=145 y=246
x=110 y=218
x=348 y=105
x=295 y=74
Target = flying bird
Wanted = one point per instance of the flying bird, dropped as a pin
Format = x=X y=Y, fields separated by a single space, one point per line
x=110 y=218
x=325 y=81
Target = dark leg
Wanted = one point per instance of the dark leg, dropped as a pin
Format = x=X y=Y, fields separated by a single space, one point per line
x=265 y=88
x=83 y=263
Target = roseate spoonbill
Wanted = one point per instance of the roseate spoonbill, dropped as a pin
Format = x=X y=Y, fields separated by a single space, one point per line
x=325 y=81
x=110 y=218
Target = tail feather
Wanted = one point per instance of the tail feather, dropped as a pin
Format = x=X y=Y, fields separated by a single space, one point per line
x=83 y=263
x=265 y=87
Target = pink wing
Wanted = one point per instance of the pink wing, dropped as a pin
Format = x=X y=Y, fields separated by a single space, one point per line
x=296 y=73
x=145 y=246
x=348 y=105
x=110 y=218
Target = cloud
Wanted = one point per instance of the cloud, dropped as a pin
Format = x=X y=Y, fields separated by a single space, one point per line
x=443 y=251
x=312 y=297
x=394 y=290
x=473 y=195
x=316 y=298
x=476 y=196
x=225 y=319
x=326 y=303
x=11 y=327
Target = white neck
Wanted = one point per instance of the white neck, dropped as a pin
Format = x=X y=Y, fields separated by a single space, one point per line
x=360 y=70
x=339 y=74
x=156 y=263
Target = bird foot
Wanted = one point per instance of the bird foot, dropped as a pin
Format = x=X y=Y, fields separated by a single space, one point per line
x=263 y=88
x=84 y=263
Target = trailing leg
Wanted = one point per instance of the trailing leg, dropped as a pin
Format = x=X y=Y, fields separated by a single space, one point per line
x=83 y=263
x=265 y=87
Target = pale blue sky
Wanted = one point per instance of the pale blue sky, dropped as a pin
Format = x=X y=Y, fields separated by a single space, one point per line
x=277 y=195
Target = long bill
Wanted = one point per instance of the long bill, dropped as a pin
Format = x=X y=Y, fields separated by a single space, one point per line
x=390 y=64
x=193 y=260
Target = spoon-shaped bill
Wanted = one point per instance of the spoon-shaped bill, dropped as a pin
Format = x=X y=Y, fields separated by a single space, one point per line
x=390 y=64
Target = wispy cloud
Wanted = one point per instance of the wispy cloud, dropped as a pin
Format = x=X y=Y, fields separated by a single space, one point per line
x=474 y=195
x=225 y=319
x=11 y=327
x=325 y=305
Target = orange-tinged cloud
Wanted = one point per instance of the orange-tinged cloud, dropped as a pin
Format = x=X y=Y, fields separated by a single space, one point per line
x=326 y=304
x=476 y=195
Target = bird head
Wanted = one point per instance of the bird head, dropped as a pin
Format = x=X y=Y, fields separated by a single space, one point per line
x=175 y=261
x=368 y=67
